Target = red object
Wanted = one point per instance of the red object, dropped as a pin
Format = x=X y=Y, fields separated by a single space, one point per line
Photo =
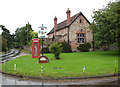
x=55 y=25
x=35 y=48
x=43 y=59
x=42 y=28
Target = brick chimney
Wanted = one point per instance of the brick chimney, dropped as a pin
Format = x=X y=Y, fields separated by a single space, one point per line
x=55 y=24
x=68 y=16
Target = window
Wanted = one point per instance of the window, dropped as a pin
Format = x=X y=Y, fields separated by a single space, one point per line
x=80 y=21
x=81 y=30
x=81 y=38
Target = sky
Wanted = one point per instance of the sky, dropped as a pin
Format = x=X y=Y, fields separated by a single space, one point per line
x=16 y=13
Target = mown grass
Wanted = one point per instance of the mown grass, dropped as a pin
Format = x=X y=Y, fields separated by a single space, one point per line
x=71 y=64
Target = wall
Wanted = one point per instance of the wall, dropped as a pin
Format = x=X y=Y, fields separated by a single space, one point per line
x=75 y=27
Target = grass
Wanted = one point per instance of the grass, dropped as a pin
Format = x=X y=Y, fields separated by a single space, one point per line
x=71 y=64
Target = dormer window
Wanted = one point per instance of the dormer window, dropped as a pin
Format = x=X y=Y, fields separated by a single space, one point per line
x=80 y=21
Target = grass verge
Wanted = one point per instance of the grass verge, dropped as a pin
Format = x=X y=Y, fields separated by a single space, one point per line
x=70 y=65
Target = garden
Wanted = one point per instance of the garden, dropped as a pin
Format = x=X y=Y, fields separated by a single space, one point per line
x=69 y=65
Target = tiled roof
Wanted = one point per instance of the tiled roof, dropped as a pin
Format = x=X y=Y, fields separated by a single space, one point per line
x=64 y=24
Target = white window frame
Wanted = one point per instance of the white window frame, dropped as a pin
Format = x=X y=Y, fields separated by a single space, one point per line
x=80 y=38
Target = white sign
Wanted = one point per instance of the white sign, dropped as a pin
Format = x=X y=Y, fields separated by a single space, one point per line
x=42 y=30
x=42 y=58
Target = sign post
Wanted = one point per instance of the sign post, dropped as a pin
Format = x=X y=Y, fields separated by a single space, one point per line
x=42 y=34
x=42 y=46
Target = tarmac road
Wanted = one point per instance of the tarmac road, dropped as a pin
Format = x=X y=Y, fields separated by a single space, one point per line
x=11 y=80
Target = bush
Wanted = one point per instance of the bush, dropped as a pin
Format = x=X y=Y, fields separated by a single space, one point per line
x=56 y=49
x=84 y=47
x=66 y=47
x=46 y=50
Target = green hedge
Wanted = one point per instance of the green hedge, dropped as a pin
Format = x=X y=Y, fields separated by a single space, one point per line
x=66 y=47
x=84 y=47
x=46 y=50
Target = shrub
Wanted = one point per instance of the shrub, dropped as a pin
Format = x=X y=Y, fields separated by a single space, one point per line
x=84 y=47
x=56 y=49
x=66 y=47
x=46 y=50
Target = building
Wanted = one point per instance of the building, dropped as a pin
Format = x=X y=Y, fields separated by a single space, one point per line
x=75 y=30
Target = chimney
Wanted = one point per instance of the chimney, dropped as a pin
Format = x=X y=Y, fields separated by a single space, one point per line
x=55 y=24
x=68 y=16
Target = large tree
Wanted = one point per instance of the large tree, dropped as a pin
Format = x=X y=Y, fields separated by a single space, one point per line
x=106 y=25
x=22 y=36
x=7 y=40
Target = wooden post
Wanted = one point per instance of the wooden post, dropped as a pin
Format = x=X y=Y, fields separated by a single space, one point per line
x=115 y=66
x=41 y=70
x=84 y=69
x=14 y=67
x=4 y=63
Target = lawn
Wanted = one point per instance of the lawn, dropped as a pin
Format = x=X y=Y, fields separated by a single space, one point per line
x=70 y=64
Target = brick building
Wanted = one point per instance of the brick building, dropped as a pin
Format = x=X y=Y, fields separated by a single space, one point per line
x=74 y=30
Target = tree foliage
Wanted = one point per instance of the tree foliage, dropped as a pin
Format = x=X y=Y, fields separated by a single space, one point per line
x=22 y=36
x=7 y=39
x=66 y=46
x=56 y=49
x=33 y=35
x=106 y=25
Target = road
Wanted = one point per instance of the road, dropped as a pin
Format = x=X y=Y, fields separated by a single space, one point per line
x=11 y=80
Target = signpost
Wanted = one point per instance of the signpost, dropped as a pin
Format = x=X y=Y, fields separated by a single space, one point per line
x=42 y=34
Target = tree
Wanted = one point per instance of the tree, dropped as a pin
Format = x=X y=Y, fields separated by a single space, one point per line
x=28 y=30
x=106 y=25
x=22 y=36
x=7 y=40
x=33 y=35
x=56 y=49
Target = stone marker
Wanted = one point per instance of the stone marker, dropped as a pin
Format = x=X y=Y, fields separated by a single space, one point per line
x=84 y=69
x=14 y=67
x=41 y=70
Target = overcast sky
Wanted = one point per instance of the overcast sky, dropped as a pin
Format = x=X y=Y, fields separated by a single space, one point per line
x=16 y=13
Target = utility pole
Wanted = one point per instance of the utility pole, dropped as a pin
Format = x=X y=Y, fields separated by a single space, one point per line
x=27 y=32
